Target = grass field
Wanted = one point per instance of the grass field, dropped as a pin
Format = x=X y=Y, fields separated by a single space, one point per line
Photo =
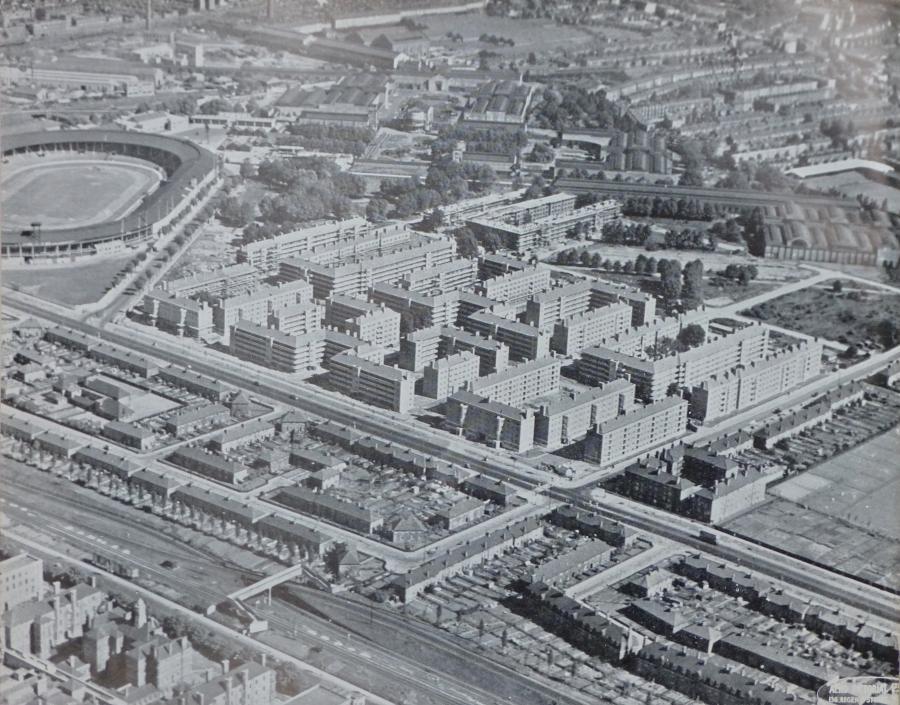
x=76 y=284
x=842 y=512
x=849 y=317
x=72 y=193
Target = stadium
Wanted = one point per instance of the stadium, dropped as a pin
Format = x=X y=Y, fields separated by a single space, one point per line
x=79 y=193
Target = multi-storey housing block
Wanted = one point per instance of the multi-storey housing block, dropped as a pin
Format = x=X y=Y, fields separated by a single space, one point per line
x=178 y=315
x=583 y=330
x=637 y=431
x=525 y=342
x=516 y=287
x=656 y=375
x=748 y=385
x=568 y=419
x=447 y=374
x=373 y=383
x=227 y=281
x=520 y=383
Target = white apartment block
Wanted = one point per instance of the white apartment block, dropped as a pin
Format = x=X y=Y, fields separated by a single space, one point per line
x=520 y=383
x=373 y=383
x=729 y=392
x=446 y=375
x=517 y=287
x=256 y=306
x=637 y=431
x=525 y=342
x=583 y=330
x=565 y=420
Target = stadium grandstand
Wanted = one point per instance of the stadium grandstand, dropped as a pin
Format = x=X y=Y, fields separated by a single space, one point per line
x=166 y=177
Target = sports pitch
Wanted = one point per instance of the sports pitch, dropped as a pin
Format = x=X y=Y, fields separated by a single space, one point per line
x=73 y=193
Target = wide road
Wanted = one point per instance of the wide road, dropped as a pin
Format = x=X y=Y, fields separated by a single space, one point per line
x=386 y=424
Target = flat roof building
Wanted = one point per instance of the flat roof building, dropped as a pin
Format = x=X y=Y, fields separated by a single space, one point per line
x=637 y=431
x=373 y=383
x=565 y=420
x=448 y=374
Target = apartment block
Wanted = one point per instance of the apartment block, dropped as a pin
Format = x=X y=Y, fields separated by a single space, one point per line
x=454 y=275
x=420 y=348
x=497 y=424
x=269 y=253
x=728 y=392
x=374 y=323
x=516 y=287
x=297 y=319
x=373 y=383
x=656 y=374
x=637 y=431
x=543 y=221
x=256 y=306
x=178 y=315
x=227 y=281
x=448 y=374
x=525 y=342
x=279 y=351
x=493 y=354
x=583 y=330
x=21 y=580
x=495 y=265
x=563 y=421
x=458 y=213
x=520 y=383
x=563 y=302
x=354 y=276
x=422 y=309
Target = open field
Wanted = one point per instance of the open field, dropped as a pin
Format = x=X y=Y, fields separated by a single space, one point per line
x=850 y=317
x=73 y=193
x=74 y=285
x=841 y=513
x=861 y=486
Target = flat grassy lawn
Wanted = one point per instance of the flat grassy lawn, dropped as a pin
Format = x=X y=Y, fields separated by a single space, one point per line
x=70 y=286
x=849 y=317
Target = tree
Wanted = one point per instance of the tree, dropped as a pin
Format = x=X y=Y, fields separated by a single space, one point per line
x=585 y=258
x=247 y=170
x=377 y=209
x=691 y=336
x=491 y=241
x=466 y=243
x=887 y=331
x=433 y=220
x=670 y=281
x=837 y=286
x=692 y=291
x=235 y=212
